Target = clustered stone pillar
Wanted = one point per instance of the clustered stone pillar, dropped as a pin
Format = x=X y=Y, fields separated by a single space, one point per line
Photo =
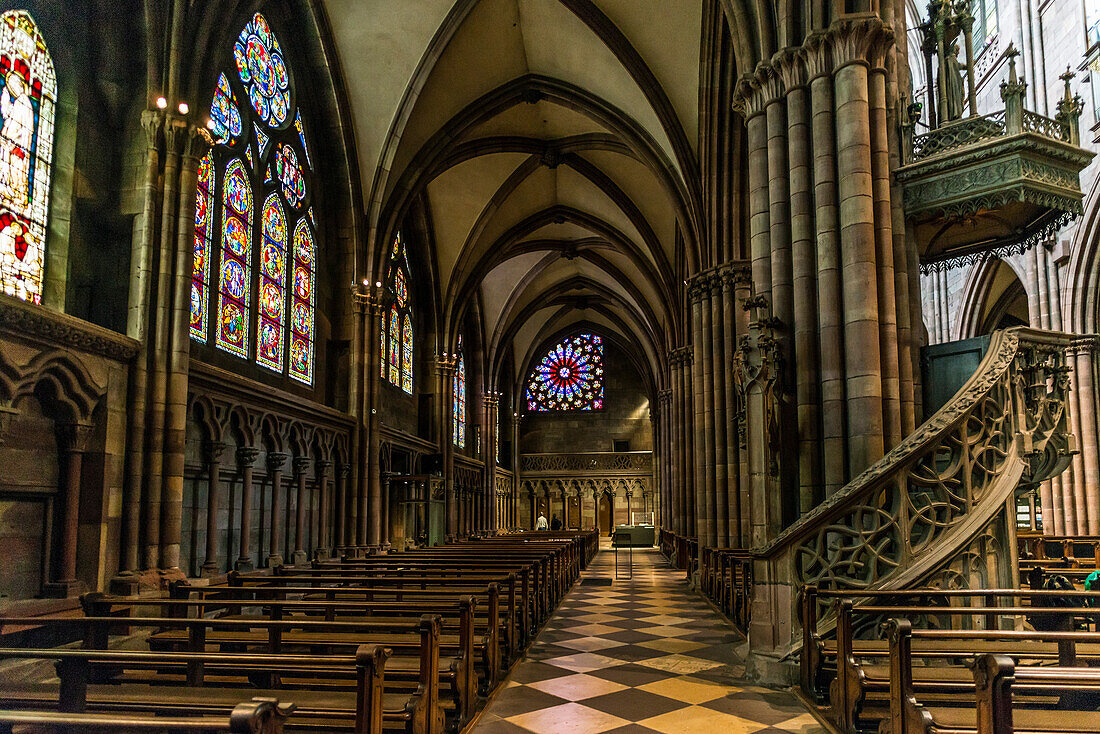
x=246 y=461
x=717 y=461
x=341 y=507
x=213 y=449
x=1074 y=502
x=72 y=440
x=275 y=462
x=819 y=175
x=682 y=510
x=301 y=471
x=322 y=510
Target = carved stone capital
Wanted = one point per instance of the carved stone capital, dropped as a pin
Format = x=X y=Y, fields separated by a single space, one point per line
x=213 y=451
x=151 y=123
x=72 y=437
x=176 y=132
x=789 y=65
x=276 y=460
x=862 y=39
x=817 y=56
x=246 y=456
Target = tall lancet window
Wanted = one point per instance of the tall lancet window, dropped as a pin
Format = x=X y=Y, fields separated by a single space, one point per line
x=28 y=97
x=253 y=284
x=397 y=324
x=458 y=407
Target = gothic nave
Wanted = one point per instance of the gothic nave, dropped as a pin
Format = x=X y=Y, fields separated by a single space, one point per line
x=797 y=301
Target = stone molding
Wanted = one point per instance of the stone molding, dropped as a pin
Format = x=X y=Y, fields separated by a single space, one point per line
x=38 y=323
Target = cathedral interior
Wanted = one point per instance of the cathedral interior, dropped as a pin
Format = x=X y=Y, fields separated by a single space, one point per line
x=550 y=366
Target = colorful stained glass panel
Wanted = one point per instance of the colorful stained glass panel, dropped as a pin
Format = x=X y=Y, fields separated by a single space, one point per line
x=28 y=94
x=569 y=376
x=262 y=70
x=458 y=406
x=290 y=175
x=407 y=356
x=302 y=322
x=235 y=276
x=395 y=346
x=225 y=116
x=200 y=269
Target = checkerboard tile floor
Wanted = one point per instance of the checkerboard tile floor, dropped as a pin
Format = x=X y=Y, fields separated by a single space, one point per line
x=638 y=656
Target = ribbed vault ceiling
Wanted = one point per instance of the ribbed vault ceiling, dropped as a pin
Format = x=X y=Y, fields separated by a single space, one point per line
x=554 y=143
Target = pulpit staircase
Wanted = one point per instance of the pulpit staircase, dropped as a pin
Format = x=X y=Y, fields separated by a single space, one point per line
x=939 y=509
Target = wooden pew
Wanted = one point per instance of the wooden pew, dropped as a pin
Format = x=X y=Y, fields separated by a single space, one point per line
x=224 y=673
x=458 y=672
x=986 y=705
x=819 y=652
x=860 y=687
x=258 y=716
x=363 y=711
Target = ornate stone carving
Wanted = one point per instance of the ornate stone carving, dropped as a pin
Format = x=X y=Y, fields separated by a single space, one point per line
x=24 y=320
x=909 y=513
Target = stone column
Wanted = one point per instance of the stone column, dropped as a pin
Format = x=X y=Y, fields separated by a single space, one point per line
x=804 y=274
x=153 y=471
x=72 y=440
x=214 y=449
x=722 y=480
x=730 y=319
x=861 y=302
x=138 y=320
x=1086 y=405
x=374 y=522
x=323 y=511
x=275 y=462
x=704 y=474
x=196 y=141
x=301 y=469
x=742 y=283
x=341 y=507
x=246 y=460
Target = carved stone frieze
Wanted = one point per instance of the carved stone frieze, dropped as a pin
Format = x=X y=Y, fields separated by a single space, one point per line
x=25 y=320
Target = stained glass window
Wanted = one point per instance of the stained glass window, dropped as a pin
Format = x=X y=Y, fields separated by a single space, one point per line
x=204 y=237
x=252 y=194
x=28 y=95
x=262 y=69
x=304 y=305
x=569 y=376
x=395 y=345
x=235 y=276
x=407 y=356
x=459 y=401
x=269 y=340
x=397 y=327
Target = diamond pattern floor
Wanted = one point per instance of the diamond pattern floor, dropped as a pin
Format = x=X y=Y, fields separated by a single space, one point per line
x=635 y=657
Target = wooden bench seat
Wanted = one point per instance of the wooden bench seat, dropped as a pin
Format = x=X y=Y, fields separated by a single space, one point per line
x=991 y=705
x=250 y=717
x=363 y=711
x=419 y=712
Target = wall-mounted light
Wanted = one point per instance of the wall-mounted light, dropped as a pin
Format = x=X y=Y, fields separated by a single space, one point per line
x=209 y=124
x=162 y=103
x=184 y=108
x=377 y=283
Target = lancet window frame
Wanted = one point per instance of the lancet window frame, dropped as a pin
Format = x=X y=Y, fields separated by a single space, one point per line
x=264 y=227
x=28 y=105
x=568 y=376
x=398 y=332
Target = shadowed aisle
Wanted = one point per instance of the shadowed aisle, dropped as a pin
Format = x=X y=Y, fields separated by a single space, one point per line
x=637 y=656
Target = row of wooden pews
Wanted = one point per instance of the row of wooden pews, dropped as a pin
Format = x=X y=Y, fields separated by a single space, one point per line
x=411 y=642
x=930 y=660
x=1045 y=558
